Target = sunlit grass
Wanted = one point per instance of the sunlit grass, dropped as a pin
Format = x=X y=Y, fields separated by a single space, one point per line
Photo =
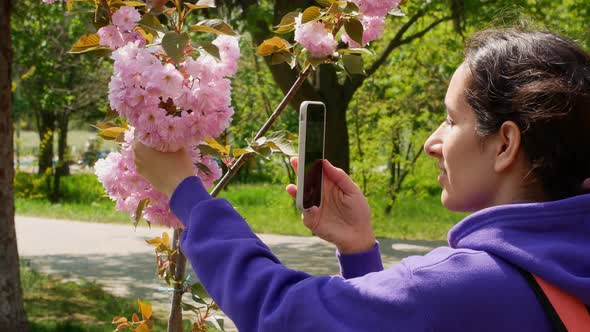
x=266 y=207
x=55 y=305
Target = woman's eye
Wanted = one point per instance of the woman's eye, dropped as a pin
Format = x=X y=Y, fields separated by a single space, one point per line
x=449 y=122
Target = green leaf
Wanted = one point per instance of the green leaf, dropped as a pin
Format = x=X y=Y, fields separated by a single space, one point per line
x=351 y=7
x=287 y=23
x=353 y=63
x=214 y=323
x=240 y=152
x=139 y=210
x=209 y=151
x=28 y=74
x=397 y=12
x=203 y=168
x=324 y=3
x=354 y=50
x=198 y=290
x=315 y=62
x=174 y=43
x=311 y=14
x=209 y=48
x=264 y=151
x=134 y=3
x=215 y=26
x=201 y=4
x=224 y=150
x=152 y=23
x=188 y=307
x=283 y=57
x=283 y=142
x=112 y=133
x=272 y=45
x=88 y=42
x=354 y=29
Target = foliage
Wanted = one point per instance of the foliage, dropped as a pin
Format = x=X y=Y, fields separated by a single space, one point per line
x=79 y=188
x=145 y=324
x=397 y=107
x=61 y=87
x=268 y=209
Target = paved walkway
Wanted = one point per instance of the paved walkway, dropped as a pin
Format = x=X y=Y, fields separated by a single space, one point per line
x=117 y=257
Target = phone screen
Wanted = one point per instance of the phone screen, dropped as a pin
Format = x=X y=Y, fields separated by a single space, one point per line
x=314 y=153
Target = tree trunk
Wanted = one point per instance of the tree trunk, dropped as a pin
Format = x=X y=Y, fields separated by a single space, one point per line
x=12 y=314
x=62 y=168
x=332 y=94
x=46 y=129
x=63 y=155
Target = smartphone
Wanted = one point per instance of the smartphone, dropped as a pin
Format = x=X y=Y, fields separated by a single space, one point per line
x=312 y=128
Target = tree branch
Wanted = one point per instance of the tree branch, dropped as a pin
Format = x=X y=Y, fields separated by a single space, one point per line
x=395 y=42
x=423 y=32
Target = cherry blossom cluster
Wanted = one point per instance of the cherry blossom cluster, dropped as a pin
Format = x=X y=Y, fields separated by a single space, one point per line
x=319 y=41
x=168 y=107
x=373 y=14
x=121 y=31
x=127 y=188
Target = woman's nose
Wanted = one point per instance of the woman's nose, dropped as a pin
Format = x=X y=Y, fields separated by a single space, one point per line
x=433 y=145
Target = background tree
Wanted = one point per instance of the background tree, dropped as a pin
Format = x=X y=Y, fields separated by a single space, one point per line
x=328 y=85
x=12 y=314
x=64 y=86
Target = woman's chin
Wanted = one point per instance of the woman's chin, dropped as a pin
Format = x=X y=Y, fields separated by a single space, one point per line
x=449 y=203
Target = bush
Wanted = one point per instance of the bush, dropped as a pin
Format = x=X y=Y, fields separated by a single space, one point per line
x=30 y=186
x=77 y=188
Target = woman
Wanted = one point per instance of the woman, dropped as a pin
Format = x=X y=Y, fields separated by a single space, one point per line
x=513 y=150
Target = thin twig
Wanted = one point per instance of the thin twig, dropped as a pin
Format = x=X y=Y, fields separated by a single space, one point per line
x=243 y=158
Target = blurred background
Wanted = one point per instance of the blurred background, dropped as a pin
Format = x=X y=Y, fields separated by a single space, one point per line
x=377 y=123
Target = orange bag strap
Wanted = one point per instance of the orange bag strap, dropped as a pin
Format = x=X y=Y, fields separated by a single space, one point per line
x=574 y=315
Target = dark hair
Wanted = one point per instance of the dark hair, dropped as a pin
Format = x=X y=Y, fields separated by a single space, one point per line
x=541 y=82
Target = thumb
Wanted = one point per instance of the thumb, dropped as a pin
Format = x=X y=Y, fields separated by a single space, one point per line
x=340 y=178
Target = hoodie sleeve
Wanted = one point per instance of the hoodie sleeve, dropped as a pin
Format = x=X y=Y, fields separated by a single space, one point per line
x=359 y=264
x=260 y=294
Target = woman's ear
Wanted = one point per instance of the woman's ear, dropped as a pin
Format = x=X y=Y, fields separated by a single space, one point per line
x=508 y=147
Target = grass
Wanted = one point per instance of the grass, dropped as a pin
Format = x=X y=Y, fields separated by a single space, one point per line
x=100 y=211
x=266 y=207
x=55 y=305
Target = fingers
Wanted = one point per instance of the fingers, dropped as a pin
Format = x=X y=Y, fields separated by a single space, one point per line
x=311 y=218
x=340 y=178
x=294 y=163
x=292 y=190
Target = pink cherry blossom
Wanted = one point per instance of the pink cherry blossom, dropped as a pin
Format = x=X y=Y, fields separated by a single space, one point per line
x=168 y=107
x=315 y=38
x=376 y=7
x=111 y=37
x=373 y=27
x=126 y=18
x=130 y=37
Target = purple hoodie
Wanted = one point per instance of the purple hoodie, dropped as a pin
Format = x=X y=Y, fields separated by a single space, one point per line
x=470 y=286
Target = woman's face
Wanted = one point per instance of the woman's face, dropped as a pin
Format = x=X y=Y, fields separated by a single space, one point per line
x=467 y=176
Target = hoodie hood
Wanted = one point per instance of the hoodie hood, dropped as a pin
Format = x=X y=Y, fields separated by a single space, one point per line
x=549 y=239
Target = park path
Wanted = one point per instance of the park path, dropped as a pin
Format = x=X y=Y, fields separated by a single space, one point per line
x=117 y=256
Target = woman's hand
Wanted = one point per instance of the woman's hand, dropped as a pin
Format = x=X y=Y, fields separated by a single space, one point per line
x=345 y=217
x=164 y=170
